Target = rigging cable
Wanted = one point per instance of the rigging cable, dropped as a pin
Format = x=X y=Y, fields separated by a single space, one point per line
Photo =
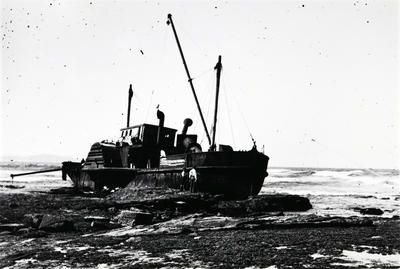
x=241 y=114
x=189 y=37
x=161 y=62
x=208 y=85
x=150 y=104
x=228 y=112
x=202 y=73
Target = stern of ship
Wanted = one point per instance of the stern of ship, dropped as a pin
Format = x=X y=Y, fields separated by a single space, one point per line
x=235 y=173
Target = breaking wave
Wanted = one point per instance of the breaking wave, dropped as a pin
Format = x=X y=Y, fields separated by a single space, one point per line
x=339 y=191
x=294 y=174
x=374 y=173
x=331 y=172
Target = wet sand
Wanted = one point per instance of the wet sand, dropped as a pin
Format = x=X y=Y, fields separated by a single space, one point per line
x=208 y=241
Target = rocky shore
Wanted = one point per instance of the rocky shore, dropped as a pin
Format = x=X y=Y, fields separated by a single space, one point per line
x=154 y=228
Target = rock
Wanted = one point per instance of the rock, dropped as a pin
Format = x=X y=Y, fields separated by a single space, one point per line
x=231 y=208
x=101 y=225
x=134 y=217
x=311 y=221
x=13 y=205
x=82 y=226
x=272 y=214
x=96 y=218
x=264 y=203
x=112 y=209
x=33 y=220
x=54 y=223
x=3 y=219
x=134 y=239
x=34 y=234
x=125 y=217
x=142 y=218
x=187 y=230
x=13 y=187
x=11 y=227
x=24 y=231
x=371 y=211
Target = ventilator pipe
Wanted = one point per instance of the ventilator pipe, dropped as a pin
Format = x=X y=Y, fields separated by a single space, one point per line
x=186 y=124
x=160 y=116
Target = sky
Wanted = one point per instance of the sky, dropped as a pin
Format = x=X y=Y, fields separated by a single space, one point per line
x=316 y=83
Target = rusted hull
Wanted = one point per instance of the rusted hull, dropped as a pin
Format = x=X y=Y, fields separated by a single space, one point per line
x=111 y=177
x=237 y=182
x=230 y=173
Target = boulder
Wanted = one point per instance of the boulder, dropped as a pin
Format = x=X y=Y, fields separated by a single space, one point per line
x=310 y=221
x=33 y=220
x=371 y=211
x=11 y=227
x=101 y=225
x=96 y=218
x=134 y=217
x=3 y=219
x=13 y=205
x=54 y=223
x=232 y=208
x=143 y=218
x=264 y=203
x=112 y=209
x=24 y=230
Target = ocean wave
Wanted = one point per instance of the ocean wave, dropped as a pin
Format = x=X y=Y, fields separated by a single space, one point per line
x=374 y=173
x=294 y=174
x=28 y=165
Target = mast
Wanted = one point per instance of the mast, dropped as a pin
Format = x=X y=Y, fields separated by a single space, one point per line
x=217 y=67
x=129 y=104
x=189 y=78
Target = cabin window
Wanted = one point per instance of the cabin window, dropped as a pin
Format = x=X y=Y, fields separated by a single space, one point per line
x=130 y=132
x=122 y=134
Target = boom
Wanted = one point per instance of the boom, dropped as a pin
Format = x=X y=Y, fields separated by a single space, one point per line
x=189 y=78
x=36 y=172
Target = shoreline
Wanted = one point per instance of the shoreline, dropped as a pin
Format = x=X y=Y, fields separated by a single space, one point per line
x=202 y=241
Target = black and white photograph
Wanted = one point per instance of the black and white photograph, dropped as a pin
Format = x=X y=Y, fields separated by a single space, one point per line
x=200 y=134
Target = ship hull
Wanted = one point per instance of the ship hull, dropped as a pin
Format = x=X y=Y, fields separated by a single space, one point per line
x=236 y=173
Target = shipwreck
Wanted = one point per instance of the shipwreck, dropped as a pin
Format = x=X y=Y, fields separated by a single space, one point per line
x=149 y=155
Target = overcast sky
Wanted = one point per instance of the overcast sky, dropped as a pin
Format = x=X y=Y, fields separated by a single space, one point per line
x=315 y=82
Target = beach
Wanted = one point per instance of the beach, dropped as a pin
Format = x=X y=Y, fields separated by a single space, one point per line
x=92 y=231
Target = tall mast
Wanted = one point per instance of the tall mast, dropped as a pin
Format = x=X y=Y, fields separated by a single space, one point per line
x=129 y=104
x=217 y=67
x=189 y=78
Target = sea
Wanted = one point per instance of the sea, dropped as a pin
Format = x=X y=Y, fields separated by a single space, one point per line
x=331 y=191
